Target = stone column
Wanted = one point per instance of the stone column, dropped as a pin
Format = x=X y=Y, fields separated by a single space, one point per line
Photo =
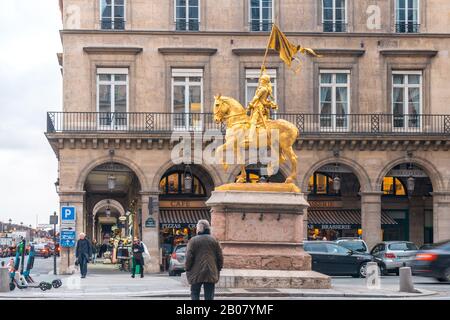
x=371 y=217
x=441 y=216
x=150 y=230
x=76 y=199
x=416 y=220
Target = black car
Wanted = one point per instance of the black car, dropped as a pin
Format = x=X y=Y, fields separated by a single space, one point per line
x=434 y=263
x=335 y=260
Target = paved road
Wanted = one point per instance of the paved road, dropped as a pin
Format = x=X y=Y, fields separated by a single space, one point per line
x=45 y=266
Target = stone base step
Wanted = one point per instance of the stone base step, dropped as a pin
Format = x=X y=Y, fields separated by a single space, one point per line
x=248 y=278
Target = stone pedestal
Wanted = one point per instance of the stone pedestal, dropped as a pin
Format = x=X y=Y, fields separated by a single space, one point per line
x=261 y=234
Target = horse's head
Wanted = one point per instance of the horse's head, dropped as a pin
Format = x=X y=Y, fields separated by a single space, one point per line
x=221 y=109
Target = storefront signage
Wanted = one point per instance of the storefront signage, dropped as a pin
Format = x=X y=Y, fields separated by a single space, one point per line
x=325 y=204
x=182 y=204
x=332 y=226
x=407 y=173
x=177 y=225
x=150 y=223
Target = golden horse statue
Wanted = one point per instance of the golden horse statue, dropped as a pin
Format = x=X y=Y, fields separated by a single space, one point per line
x=237 y=121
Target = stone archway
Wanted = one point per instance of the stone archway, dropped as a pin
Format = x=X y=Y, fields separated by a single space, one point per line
x=357 y=169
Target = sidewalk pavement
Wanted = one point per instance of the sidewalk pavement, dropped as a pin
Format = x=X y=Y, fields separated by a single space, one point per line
x=160 y=286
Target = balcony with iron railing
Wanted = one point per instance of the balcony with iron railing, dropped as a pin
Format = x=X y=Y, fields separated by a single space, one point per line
x=308 y=124
x=330 y=26
x=407 y=27
x=257 y=25
x=187 y=25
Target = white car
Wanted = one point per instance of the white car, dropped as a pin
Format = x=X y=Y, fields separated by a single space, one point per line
x=354 y=244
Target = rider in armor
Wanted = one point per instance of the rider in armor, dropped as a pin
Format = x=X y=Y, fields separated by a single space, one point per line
x=261 y=105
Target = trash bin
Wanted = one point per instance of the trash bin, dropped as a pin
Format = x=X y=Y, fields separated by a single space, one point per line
x=4 y=280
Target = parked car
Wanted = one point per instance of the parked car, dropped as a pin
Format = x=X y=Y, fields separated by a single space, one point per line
x=433 y=263
x=354 y=244
x=42 y=250
x=333 y=259
x=395 y=254
x=177 y=260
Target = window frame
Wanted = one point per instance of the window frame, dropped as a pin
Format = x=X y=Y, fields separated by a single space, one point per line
x=327 y=191
x=112 y=84
x=175 y=18
x=260 y=20
x=406 y=22
x=186 y=73
x=333 y=86
x=394 y=194
x=334 y=21
x=113 y=18
x=405 y=86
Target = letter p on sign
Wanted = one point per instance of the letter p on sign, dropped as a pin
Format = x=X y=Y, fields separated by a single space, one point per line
x=68 y=214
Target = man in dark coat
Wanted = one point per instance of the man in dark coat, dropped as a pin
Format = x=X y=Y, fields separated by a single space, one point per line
x=138 y=250
x=204 y=261
x=83 y=252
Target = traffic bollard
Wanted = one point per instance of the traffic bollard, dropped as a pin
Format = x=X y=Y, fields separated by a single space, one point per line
x=4 y=280
x=406 y=282
x=372 y=276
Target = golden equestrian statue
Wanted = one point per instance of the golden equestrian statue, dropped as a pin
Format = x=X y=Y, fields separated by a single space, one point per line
x=243 y=130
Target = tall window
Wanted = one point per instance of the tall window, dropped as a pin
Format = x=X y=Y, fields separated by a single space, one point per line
x=407 y=16
x=251 y=83
x=187 y=14
x=112 y=97
x=112 y=14
x=334 y=15
x=261 y=15
x=321 y=184
x=187 y=99
x=173 y=184
x=407 y=99
x=334 y=99
x=393 y=186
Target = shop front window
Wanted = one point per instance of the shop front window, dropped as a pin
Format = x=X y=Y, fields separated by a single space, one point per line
x=393 y=186
x=173 y=184
x=321 y=184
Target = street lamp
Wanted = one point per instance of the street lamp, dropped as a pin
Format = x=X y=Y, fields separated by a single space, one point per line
x=188 y=179
x=57 y=185
x=410 y=184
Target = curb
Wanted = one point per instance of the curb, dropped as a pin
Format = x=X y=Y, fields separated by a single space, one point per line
x=172 y=294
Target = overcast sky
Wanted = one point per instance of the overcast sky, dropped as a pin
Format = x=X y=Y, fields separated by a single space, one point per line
x=30 y=85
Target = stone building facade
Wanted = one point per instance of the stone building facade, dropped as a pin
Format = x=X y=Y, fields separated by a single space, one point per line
x=372 y=111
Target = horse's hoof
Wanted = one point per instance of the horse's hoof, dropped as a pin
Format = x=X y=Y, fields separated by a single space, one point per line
x=289 y=180
x=241 y=180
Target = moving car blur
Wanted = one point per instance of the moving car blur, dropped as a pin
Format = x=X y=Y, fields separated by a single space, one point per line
x=433 y=262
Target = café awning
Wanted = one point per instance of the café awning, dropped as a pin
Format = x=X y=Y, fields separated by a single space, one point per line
x=342 y=217
x=183 y=216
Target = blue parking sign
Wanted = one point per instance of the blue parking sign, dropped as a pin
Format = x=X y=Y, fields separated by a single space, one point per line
x=68 y=214
x=67 y=238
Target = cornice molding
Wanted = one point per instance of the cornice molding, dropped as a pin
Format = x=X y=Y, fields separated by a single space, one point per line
x=113 y=50
x=408 y=53
x=341 y=52
x=253 y=52
x=187 y=51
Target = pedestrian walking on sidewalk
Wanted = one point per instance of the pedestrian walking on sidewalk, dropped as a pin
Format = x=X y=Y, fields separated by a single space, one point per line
x=204 y=260
x=83 y=252
x=94 y=251
x=138 y=257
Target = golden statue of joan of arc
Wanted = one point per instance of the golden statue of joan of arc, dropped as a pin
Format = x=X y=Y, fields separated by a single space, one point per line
x=261 y=105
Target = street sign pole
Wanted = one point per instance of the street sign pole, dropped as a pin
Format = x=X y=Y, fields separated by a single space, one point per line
x=54 y=221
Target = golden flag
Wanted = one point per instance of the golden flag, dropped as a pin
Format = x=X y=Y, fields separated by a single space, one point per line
x=287 y=50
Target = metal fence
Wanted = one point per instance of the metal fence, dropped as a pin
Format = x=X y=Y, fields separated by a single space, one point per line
x=160 y=122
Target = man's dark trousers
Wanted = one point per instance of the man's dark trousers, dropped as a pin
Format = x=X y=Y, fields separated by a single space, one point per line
x=207 y=287
x=83 y=265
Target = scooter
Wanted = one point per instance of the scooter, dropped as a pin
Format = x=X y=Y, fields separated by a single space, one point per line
x=24 y=280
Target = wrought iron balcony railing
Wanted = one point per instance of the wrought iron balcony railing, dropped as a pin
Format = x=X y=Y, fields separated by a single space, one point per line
x=407 y=27
x=329 y=26
x=257 y=25
x=187 y=25
x=112 y=24
x=308 y=124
